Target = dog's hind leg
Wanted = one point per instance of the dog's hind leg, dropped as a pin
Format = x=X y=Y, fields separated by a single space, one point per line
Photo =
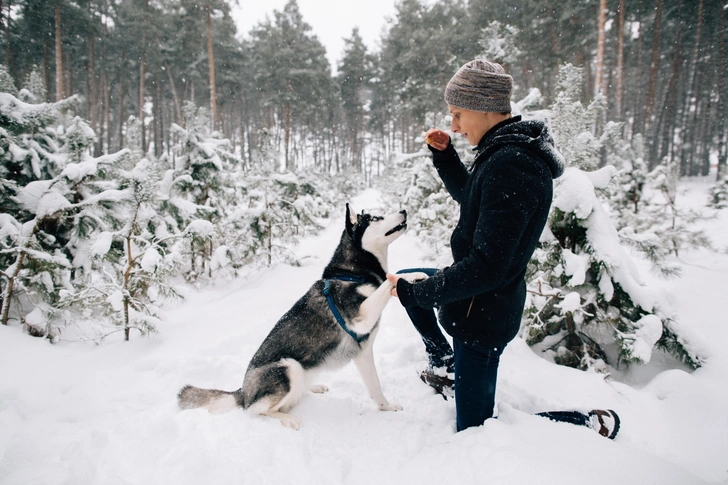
x=365 y=365
x=274 y=404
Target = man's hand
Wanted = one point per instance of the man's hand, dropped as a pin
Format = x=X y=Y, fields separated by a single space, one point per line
x=437 y=139
x=411 y=277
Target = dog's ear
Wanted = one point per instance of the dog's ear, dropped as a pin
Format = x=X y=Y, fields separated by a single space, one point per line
x=350 y=217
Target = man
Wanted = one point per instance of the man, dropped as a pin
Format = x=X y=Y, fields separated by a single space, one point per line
x=504 y=197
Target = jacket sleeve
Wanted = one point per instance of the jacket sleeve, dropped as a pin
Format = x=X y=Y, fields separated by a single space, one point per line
x=510 y=194
x=451 y=170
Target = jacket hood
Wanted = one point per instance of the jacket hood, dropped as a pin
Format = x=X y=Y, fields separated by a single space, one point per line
x=533 y=134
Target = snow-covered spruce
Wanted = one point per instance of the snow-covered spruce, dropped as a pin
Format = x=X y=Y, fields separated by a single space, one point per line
x=588 y=306
x=49 y=191
x=719 y=193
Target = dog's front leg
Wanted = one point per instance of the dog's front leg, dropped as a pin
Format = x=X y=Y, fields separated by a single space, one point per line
x=371 y=309
x=365 y=365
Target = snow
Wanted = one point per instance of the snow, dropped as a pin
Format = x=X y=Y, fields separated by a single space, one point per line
x=601 y=178
x=575 y=265
x=649 y=331
x=8 y=226
x=81 y=413
x=75 y=172
x=102 y=244
x=31 y=194
x=570 y=303
x=151 y=260
x=574 y=193
x=200 y=228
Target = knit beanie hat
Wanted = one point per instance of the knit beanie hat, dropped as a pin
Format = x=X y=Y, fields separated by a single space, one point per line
x=480 y=85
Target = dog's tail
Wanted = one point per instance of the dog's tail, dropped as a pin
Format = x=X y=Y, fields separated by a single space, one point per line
x=213 y=400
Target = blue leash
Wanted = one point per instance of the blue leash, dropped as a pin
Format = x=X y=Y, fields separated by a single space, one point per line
x=359 y=339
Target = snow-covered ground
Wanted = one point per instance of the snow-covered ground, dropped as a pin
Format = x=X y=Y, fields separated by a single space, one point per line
x=75 y=413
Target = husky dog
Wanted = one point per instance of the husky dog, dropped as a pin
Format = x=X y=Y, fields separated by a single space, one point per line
x=335 y=322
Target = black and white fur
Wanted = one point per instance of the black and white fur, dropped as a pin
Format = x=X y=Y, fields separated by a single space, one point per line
x=308 y=338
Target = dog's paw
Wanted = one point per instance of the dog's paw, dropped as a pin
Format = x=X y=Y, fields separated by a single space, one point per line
x=390 y=407
x=319 y=389
x=290 y=421
x=413 y=277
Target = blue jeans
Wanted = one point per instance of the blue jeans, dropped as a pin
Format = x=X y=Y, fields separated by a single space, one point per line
x=476 y=373
x=438 y=348
x=475 y=368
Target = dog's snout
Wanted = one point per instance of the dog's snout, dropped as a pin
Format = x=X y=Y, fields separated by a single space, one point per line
x=404 y=213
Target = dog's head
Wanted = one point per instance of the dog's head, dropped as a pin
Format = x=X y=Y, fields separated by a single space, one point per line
x=375 y=233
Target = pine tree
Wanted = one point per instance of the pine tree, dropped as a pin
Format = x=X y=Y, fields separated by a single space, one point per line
x=719 y=193
x=202 y=184
x=281 y=209
x=673 y=225
x=356 y=72
x=51 y=183
x=7 y=85
x=130 y=258
x=574 y=125
x=499 y=43
x=586 y=295
x=35 y=86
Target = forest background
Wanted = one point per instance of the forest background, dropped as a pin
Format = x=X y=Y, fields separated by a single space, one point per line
x=660 y=63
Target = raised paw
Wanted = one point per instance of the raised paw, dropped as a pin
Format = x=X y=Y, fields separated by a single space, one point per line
x=319 y=389
x=412 y=277
x=390 y=407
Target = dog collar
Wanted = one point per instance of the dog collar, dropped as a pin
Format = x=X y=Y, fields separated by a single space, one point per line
x=359 y=338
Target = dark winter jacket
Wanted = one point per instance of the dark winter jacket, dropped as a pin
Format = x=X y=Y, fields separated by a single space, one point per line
x=504 y=198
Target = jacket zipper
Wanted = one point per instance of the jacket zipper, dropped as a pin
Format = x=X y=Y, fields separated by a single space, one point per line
x=470 y=307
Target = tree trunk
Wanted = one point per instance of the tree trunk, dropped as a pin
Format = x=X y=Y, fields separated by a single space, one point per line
x=93 y=85
x=620 y=59
x=637 y=112
x=692 y=101
x=666 y=123
x=694 y=58
x=9 y=60
x=46 y=70
x=288 y=125
x=143 y=76
x=156 y=109
x=101 y=131
x=721 y=126
x=211 y=59
x=599 y=86
x=127 y=277
x=121 y=99
x=59 y=54
x=177 y=108
x=705 y=130
x=651 y=93
x=107 y=112
x=104 y=123
x=8 y=293
x=68 y=74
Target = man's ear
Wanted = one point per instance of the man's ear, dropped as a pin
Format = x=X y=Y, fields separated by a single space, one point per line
x=350 y=217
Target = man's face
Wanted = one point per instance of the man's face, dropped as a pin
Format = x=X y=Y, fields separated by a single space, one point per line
x=471 y=124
